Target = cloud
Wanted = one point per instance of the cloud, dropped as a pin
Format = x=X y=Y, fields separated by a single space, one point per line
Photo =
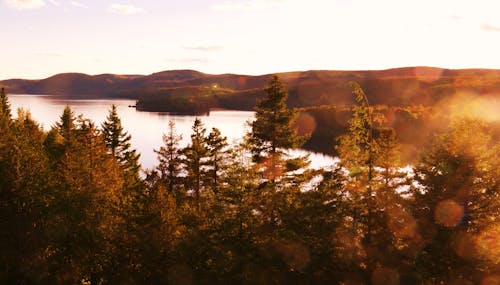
x=203 y=48
x=124 y=9
x=247 y=5
x=25 y=4
x=77 y=4
x=490 y=28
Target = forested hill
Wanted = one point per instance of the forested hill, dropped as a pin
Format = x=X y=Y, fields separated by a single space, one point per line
x=400 y=86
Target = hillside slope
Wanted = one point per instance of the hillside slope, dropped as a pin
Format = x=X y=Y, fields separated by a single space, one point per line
x=400 y=86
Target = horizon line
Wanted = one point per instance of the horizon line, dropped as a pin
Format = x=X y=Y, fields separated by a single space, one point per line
x=256 y=75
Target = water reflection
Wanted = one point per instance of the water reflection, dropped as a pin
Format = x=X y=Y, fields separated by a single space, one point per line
x=146 y=128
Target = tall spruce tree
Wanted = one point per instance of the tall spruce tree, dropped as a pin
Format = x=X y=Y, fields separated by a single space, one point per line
x=273 y=128
x=196 y=154
x=216 y=145
x=118 y=143
x=272 y=133
x=170 y=160
x=369 y=152
x=87 y=183
x=5 y=112
x=66 y=125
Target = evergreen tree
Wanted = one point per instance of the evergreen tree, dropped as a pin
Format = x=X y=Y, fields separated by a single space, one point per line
x=88 y=187
x=196 y=154
x=118 y=143
x=282 y=178
x=216 y=145
x=170 y=160
x=25 y=195
x=366 y=148
x=66 y=125
x=5 y=113
x=273 y=129
x=358 y=147
x=457 y=202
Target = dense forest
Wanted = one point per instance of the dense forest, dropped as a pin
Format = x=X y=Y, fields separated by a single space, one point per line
x=75 y=208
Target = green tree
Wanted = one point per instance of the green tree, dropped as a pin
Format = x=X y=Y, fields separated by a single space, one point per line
x=457 y=202
x=62 y=135
x=26 y=192
x=196 y=154
x=88 y=184
x=5 y=113
x=369 y=152
x=170 y=160
x=66 y=125
x=118 y=143
x=216 y=145
x=272 y=130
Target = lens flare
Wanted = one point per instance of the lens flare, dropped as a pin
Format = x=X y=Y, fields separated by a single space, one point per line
x=428 y=74
x=295 y=254
x=473 y=105
x=448 y=213
x=306 y=124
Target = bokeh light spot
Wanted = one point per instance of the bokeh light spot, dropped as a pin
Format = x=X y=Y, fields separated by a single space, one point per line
x=295 y=254
x=306 y=124
x=448 y=213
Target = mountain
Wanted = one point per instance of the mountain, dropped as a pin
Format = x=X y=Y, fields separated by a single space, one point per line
x=399 y=86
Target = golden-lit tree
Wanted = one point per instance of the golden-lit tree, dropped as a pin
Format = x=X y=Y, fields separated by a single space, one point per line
x=456 y=202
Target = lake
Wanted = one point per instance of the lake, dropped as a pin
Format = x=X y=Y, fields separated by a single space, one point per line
x=146 y=128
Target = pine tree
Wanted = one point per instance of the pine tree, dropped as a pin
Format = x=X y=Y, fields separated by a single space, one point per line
x=196 y=154
x=272 y=133
x=25 y=196
x=118 y=143
x=88 y=187
x=170 y=160
x=66 y=125
x=273 y=129
x=366 y=148
x=457 y=202
x=216 y=145
x=5 y=112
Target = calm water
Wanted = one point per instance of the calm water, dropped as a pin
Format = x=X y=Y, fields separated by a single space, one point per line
x=146 y=128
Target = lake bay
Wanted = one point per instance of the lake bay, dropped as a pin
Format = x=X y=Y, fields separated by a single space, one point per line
x=146 y=128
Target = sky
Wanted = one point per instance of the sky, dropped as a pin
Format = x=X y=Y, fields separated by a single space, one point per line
x=40 y=38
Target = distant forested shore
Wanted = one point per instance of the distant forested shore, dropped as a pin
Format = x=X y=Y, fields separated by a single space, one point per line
x=420 y=97
x=75 y=208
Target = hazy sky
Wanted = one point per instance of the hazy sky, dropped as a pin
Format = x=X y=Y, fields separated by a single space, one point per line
x=44 y=37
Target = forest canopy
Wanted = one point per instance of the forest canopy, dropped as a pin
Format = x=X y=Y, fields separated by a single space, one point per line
x=75 y=209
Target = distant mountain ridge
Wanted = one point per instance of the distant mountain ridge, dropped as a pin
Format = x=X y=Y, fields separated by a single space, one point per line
x=397 y=86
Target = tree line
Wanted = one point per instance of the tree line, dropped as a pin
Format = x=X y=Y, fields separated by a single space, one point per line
x=75 y=209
